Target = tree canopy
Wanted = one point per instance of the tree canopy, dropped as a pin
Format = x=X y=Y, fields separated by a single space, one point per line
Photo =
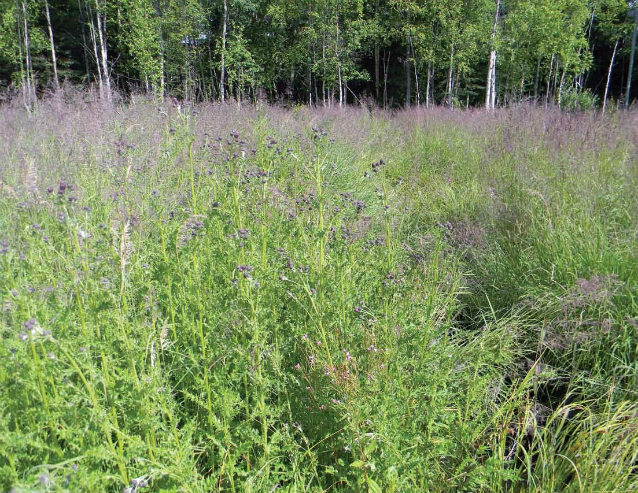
x=331 y=52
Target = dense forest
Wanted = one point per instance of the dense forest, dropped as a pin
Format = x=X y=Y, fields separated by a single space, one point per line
x=330 y=52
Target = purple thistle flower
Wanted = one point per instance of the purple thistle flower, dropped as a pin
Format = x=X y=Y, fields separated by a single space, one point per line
x=44 y=480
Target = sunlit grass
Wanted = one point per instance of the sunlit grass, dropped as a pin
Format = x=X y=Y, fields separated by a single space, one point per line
x=265 y=300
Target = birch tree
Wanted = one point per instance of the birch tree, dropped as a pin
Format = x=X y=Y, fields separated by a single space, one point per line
x=54 y=60
x=490 y=92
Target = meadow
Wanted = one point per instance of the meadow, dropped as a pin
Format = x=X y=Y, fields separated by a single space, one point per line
x=210 y=298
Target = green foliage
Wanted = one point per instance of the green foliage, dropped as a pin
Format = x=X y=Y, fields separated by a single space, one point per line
x=321 y=51
x=573 y=99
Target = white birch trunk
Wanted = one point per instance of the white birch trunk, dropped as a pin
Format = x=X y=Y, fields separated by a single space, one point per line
x=450 y=80
x=427 y=87
x=417 y=87
x=101 y=27
x=223 y=69
x=339 y=80
x=408 y=78
x=53 y=57
x=560 y=87
x=100 y=79
x=30 y=89
x=611 y=66
x=490 y=93
x=23 y=78
x=549 y=80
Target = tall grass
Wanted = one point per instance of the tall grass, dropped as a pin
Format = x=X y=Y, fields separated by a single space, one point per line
x=211 y=299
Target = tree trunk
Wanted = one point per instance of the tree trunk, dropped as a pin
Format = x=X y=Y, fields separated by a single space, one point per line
x=314 y=79
x=223 y=68
x=376 y=56
x=417 y=86
x=490 y=92
x=53 y=57
x=386 y=65
x=23 y=76
x=560 y=87
x=631 y=59
x=408 y=75
x=84 y=44
x=101 y=29
x=337 y=55
x=323 y=65
x=611 y=66
x=96 y=56
x=538 y=71
x=549 y=80
x=427 y=86
x=340 y=82
x=30 y=89
x=450 y=80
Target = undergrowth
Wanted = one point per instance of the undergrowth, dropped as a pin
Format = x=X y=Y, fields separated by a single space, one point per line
x=212 y=299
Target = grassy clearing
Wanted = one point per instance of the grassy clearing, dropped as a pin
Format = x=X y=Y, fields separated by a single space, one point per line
x=213 y=299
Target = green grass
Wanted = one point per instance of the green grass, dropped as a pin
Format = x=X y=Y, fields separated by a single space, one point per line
x=271 y=312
